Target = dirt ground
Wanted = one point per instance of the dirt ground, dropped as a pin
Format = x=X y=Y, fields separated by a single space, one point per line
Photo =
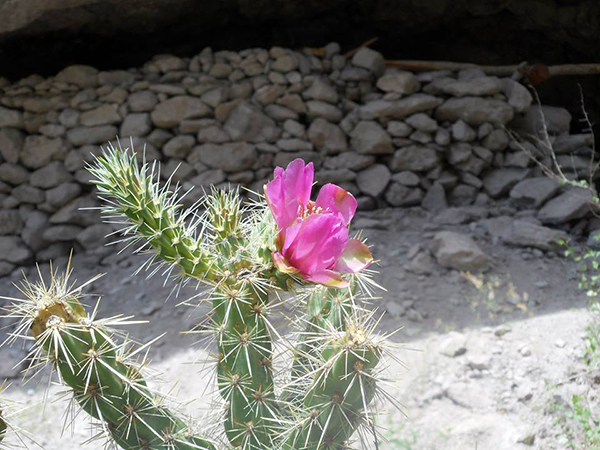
x=492 y=359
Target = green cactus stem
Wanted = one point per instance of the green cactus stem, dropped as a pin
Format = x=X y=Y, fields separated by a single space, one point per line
x=106 y=381
x=3 y=427
x=152 y=213
x=228 y=247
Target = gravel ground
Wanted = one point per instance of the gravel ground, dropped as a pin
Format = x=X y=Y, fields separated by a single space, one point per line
x=491 y=359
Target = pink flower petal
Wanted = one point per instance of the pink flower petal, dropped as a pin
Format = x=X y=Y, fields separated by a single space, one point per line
x=328 y=278
x=282 y=263
x=338 y=201
x=356 y=257
x=288 y=193
x=318 y=244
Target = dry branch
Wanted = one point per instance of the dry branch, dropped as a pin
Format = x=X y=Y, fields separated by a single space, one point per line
x=509 y=70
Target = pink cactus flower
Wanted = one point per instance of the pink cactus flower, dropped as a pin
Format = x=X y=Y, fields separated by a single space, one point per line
x=313 y=239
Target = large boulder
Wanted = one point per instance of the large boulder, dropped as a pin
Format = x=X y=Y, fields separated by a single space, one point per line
x=458 y=251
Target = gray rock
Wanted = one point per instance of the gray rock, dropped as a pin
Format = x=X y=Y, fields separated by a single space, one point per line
x=422 y=122
x=461 y=215
x=10 y=222
x=62 y=194
x=28 y=194
x=136 y=124
x=79 y=75
x=294 y=145
x=13 y=174
x=229 y=157
x=442 y=137
x=295 y=128
x=61 y=233
x=399 y=195
x=476 y=87
x=53 y=251
x=52 y=130
x=13 y=250
x=519 y=159
x=94 y=236
x=518 y=96
x=435 y=198
x=421 y=137
x=399 y=129
x=177 y=170
x=168 y=63
x=337 y=176
x=557 y=120
x=321 y=89
x=11 y=144
x=40 y=150
x=484 y=130
x=142 y=101
x=179 y=147
x=399 y=82
x=91 y=135
x=399 y=109
x=327 y=137
x=102 y=115
x=212 y=134
x=526 y=234
x=593 y=240
x=171 y=112
x=50 y=176
x=462 y=132
x=499 y=182
x=13 y=358
x=285 y=63
x=32 y=234
x=69 y=117
x=78 y=212
x=369 y=59
x=534 y=192
x=209 y=178
x=475 y=111
x=115 y=77
x=269 y=93
x=496 y=140
x=414 y=158
x=247 y=123
x=571 y=204
x=316 y=108
x=458 y=251
x=568 y=143
x=374 y=180
x=453 y=345
x=280 y=113
x=459 y=153
x=10 y=118
x=370 y=138
x=406 y=178
x=349 y=160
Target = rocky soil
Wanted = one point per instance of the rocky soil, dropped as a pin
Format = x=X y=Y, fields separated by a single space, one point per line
x=492 y=357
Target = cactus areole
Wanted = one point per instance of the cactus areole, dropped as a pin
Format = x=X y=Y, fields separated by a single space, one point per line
x=249 y=257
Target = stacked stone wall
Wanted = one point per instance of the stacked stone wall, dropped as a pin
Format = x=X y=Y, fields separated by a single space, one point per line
x=392 y=138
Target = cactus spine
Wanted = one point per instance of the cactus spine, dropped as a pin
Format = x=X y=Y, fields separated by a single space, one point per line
x=227 y=247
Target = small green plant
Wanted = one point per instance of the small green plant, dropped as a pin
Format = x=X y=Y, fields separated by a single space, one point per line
x=579 y=422
x=586 y=422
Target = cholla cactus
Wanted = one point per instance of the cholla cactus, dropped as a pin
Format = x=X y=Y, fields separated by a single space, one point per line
x=248 y=258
